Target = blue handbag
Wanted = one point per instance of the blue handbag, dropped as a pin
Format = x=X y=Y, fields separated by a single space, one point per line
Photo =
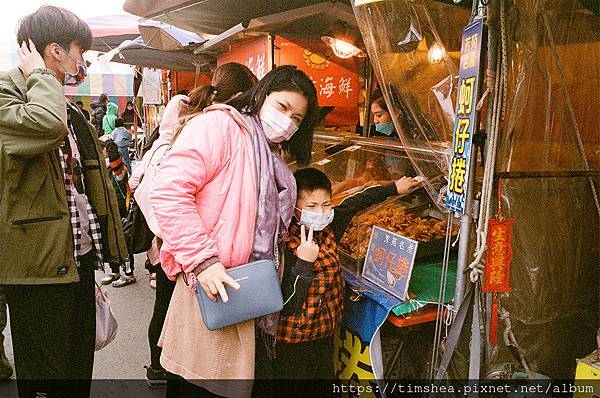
x=259 y=294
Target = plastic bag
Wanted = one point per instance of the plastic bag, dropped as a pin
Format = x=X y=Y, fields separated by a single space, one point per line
x=106 y=323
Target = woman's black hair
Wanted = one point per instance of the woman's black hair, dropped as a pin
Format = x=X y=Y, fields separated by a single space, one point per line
x=377 y=98
x=285 y=78
x=50 y=24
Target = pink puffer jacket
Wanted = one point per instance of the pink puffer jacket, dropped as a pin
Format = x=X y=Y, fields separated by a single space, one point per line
x=206 y=199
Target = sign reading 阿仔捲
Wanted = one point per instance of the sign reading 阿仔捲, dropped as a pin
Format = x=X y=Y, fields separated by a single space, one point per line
x=389 y=261
x=465 y=120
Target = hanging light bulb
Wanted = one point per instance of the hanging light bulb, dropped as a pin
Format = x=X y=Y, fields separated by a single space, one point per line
x=342 y=48
x=342 y=40
x=435 y=53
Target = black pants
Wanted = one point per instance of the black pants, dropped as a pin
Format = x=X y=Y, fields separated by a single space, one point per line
x=164 y=291
x=53 y=331
x=178 y=387
x=129 y=268
x=312 y=360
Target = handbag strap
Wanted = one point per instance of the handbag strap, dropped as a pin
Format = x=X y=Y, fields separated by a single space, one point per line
x=99 y=289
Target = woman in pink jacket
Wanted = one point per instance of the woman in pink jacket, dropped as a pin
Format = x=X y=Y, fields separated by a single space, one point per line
x=226 y=198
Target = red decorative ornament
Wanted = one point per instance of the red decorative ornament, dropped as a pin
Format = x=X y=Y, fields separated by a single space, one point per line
x=497 y=262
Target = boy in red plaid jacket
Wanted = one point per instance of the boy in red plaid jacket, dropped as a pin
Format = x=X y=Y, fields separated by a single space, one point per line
x=313 y=284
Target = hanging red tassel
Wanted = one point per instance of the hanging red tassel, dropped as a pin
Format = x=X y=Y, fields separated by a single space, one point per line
x=494 y=321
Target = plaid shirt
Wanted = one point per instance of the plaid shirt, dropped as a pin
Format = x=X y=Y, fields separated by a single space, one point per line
x=74 y=217
x=323 y=308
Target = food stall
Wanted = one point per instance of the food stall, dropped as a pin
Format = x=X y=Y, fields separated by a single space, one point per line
x=540 y=167
x=535 y=138
x=353 y=162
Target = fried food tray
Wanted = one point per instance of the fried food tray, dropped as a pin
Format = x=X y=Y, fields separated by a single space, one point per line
x=426 y=250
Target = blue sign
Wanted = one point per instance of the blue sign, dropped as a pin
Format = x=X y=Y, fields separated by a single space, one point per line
x=465 y=120
x=389 y=262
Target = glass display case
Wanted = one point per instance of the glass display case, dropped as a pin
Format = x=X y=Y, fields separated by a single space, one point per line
x=360 y=165
x=368 y=162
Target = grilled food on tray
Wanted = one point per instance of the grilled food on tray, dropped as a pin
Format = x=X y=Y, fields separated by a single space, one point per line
x=357 y=236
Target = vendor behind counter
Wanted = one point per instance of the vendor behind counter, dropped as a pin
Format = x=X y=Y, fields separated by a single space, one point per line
x=384 y=127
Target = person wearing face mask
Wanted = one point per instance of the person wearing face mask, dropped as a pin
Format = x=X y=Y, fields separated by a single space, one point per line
x=384 y=127
x=226 y=198
x=313 y=284
x=129 y=116
x=65 y=222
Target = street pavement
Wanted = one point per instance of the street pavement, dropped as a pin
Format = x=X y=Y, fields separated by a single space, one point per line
x=119 y=367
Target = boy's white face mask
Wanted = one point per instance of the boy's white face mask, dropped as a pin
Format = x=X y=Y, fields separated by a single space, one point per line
x=319 y=221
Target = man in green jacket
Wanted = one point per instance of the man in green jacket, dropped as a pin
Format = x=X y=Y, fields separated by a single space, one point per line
x=59 y=218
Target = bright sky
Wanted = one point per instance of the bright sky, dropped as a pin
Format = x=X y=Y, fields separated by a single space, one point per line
x=13 y=10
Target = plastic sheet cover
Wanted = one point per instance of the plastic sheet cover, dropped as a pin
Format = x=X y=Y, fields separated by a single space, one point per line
x=552 y=126
x=418 y=82
x=549 y=138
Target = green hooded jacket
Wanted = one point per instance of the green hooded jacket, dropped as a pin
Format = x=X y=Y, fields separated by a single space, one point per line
x=108 y=121
x=36 y=241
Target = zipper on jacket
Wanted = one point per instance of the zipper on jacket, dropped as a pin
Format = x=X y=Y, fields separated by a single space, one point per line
x=36 y=220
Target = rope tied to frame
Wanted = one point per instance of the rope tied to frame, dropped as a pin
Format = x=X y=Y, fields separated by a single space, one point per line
x=496 y=85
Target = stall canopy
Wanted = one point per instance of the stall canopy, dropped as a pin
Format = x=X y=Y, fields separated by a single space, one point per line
x=162 y=36
x=136 y=52
x=211 y=16
x=111 y=30
x=306 y=23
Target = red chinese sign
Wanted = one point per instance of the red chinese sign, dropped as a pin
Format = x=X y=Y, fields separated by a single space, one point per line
x=498 y=257
x=393 y=262
x=254 y=54
x=336 y=85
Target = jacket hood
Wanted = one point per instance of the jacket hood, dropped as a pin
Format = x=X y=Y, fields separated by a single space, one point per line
x=112 y=109
x=170 y=117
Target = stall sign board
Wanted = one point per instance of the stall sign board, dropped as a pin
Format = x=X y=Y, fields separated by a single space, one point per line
x=336 y=85
x=152 y=87
x=254 y=54
x=465 y=120
x=389 y=261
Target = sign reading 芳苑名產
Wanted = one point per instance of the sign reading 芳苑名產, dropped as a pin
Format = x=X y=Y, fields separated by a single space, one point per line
x=389 y=261
x=465 y=120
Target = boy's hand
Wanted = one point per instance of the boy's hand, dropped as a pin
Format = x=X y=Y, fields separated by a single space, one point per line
x=308 y=249
x=406 y=185
x=30 y=58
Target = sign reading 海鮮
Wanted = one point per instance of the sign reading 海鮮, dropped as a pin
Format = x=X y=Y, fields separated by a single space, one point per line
x=389 y=261
x=465 y=119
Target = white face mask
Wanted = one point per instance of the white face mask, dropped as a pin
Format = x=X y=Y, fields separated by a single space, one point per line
x=316 y=220
x=107 y=161
x=277 y=126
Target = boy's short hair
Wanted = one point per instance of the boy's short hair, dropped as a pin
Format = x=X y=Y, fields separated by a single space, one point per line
x=79 y=103
x=103 y=98
x=310 y=180
x=112 y=149
x=50 y=24
x=119 y=122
